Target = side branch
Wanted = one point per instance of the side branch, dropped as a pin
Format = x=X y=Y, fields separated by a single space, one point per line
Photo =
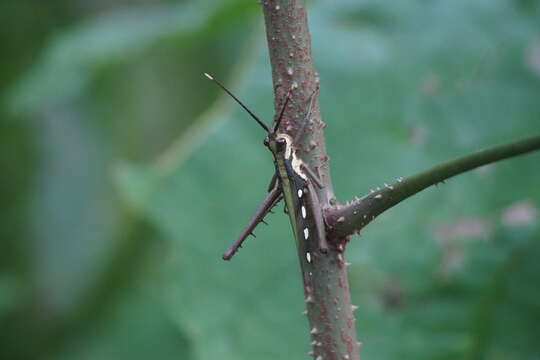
x=345 y=219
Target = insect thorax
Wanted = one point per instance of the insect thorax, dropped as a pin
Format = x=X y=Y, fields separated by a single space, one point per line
x=289 y=154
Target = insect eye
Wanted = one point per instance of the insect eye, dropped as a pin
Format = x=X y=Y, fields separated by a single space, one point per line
x=266 y=141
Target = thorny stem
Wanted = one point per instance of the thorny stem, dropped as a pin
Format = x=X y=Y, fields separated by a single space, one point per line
x=345 y=219
x=329 y=310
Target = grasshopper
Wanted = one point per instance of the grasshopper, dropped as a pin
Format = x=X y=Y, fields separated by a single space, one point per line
x=292 y=181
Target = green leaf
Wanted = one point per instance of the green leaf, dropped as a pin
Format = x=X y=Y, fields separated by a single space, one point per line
x=412 y=85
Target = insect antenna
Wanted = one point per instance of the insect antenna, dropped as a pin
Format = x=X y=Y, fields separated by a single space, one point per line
x=308 y=114
x=278 y=121
x=263 y=125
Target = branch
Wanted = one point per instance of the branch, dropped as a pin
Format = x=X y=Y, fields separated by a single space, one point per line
x=345 y=219
x=329 y=310
x=289 y=45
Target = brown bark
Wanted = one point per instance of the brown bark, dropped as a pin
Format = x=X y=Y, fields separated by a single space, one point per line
x=329 y=311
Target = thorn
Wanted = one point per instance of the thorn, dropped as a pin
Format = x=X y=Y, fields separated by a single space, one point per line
x=341 y=219
x=304 y=312
x=347 y=264
x=311 y=353
x=314 y=343
x=354 y=308
x=346 y=357
x=314 y=331
x=319 y=357
x=208 y=76
x=264 y=222
x=252 y=234
x=309 y=299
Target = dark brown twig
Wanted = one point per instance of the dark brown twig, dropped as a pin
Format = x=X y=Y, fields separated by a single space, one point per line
x=329 y=310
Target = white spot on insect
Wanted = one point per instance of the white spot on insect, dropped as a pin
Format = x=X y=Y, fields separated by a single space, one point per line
x=306 y=233
x=304 y=212
x=308 y=257
x=378 y=196
x=300 y=193
x=277 y=7
x=289 y=71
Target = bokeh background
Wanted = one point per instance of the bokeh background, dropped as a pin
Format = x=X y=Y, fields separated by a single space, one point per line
x=125 y=174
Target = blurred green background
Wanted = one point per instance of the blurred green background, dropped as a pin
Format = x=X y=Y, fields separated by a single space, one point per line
x=125 y=175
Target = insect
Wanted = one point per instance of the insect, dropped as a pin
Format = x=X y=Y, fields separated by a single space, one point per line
x=292 y=181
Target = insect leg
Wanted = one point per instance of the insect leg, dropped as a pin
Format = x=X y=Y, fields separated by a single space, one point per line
x=311 y=175
x=317 y=215
x=271 y=199
x=273 y=181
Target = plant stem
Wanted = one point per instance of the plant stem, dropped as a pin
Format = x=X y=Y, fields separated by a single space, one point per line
x=327 y=297
x=345 y=219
